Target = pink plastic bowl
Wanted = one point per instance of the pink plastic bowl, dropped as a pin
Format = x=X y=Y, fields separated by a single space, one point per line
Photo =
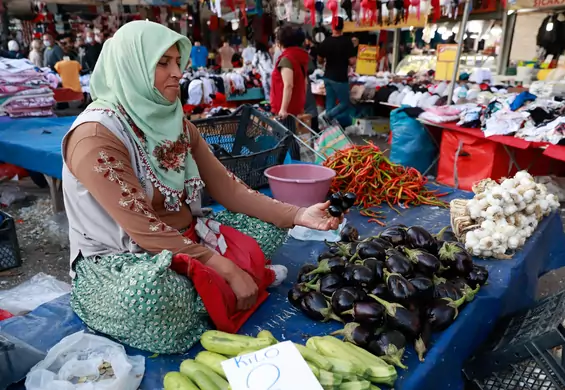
x=300 y=184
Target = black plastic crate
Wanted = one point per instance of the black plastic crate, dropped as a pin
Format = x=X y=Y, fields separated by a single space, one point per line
x=543 y=371
x=9 y=249
x=252 y=142
x=514 y=337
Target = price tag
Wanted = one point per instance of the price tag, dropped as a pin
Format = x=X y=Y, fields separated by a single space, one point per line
x=279 y=367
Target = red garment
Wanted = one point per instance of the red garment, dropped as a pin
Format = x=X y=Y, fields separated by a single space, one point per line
x=4 y=315
x=299 y=59
x=437 y=10
x=217 y=295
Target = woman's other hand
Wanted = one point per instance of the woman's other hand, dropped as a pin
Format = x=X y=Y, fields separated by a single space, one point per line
x=317 y=217
x=244 y=288
x=282 y=114
x=241 y=283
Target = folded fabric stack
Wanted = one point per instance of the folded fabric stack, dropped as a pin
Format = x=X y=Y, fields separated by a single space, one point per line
x=24 y=90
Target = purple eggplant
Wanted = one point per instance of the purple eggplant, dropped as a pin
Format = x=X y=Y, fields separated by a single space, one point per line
x=423 y=261
x=419 y=238
x=400 y=318
x=344 y=298
x=381 y=291
x=326 y=266
x=348 y=200
x=362 y=276
x=478 y=276
x=355 y=333
x=336 y=199
x=296 y=293
x=315 y=306
x=325 y=255
x=398 y=263
x=389 y=346
x=303 y=273
x=399 y=287
x=381 y=242
x=376 y=266
x=467 y=291
x=445 y=289
x=445 y=234
x=327 y=284
x=349 y=234
x=457 y=258
x=368 y=249
x=442 y=312
x=396 y=235
x=422 y=343
x=424 y=288
x=367 y=313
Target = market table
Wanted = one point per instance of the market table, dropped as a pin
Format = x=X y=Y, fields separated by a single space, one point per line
x=512 y=285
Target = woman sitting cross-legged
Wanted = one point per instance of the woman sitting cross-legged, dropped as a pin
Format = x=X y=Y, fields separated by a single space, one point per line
x=133 y=171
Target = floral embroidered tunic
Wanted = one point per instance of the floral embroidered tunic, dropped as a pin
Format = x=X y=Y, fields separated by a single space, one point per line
x=99 y=160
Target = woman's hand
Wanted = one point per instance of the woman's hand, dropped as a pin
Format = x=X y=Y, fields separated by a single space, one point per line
x=317 y=217
x=241 y=283
x=283 y=114
x=244 y=288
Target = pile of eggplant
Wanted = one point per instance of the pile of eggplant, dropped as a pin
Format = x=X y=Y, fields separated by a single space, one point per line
x=389 y=290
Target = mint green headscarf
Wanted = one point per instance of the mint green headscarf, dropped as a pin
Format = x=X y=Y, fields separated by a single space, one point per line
x=123 y=81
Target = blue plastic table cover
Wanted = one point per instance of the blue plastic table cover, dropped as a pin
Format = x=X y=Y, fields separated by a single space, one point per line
x=34 y=143
x=512 y=286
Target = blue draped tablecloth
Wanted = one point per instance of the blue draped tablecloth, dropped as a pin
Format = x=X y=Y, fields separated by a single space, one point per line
x=512 y=286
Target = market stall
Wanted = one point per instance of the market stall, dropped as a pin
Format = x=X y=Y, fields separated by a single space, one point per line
x=512 y=285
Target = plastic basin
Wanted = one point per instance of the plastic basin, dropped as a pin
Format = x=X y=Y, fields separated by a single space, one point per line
x=300 y=184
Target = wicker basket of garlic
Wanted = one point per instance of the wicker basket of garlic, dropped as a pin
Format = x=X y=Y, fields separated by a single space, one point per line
x=501 y=216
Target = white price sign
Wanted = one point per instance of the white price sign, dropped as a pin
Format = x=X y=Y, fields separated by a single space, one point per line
x=278 y=367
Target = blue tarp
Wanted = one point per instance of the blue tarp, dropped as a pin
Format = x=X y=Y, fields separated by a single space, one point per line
x=411 y=145
x=512 y=285
x=34 y=143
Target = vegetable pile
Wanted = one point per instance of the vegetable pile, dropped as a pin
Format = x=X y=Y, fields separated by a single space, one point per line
x=365 y=171
x=390 y=290
x=336 y=364
x=501 y=216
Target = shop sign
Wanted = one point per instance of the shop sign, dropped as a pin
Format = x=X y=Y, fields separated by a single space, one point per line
x=446 y=56
x=367 y=60
x=528 y=4
x=413 y=21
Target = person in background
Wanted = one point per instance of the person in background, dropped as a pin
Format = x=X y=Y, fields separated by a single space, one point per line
x=198 y=56
x=311 y=107
x=226 y=54
x=99 y=37
x=80 y=49
x=92 y=52
x=338 y=54
x=69 y=70
x=13 y=51
x=355 y=42
x=310 y=47
x=264 y=64
x=248 y=54
x=68 y=48
x=53 y=52
x=288 y=81
x=36 y=53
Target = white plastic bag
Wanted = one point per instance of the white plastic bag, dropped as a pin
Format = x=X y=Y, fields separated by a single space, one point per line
x=304 y=234
x=29 y=295
x=84 y=361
